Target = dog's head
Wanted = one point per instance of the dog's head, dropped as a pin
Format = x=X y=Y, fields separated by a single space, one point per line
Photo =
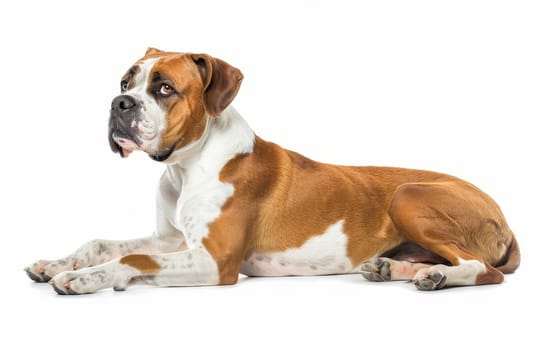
x=166 y=99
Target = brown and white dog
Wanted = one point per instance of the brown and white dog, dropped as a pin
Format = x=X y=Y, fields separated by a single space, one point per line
x=230 y=202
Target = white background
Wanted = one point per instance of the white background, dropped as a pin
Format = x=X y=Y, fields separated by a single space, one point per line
x=467 y=88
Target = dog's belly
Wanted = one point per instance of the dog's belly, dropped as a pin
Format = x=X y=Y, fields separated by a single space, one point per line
x=320 y=255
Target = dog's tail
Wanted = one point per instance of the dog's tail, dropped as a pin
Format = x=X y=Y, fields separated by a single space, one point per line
x=511 y=261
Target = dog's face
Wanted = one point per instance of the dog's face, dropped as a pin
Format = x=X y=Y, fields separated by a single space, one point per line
x=166 y=99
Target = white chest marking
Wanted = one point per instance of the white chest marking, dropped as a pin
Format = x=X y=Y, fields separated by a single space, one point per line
x=199 y=205
x=191 y=194
x=320 y=255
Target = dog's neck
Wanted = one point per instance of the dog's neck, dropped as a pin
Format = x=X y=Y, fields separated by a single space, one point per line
x=224 y=137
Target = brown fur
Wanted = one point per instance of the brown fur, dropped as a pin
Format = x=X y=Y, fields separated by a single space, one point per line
x=282 y=199
x=142 y=262
x=182 y=131
x=195 y=77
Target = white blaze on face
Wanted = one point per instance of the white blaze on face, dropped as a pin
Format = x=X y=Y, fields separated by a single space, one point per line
x=152 y=121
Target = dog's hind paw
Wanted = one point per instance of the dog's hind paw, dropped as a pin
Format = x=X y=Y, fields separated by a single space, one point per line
x=376 y=270
x=430 y=281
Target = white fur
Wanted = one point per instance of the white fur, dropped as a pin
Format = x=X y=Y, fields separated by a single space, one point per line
x=91 y=279
x=101 y=251
x=153 y=118
x=464 y=274
x=320 y=255
x=190 y=193
x=193 y=267
x=190 y=197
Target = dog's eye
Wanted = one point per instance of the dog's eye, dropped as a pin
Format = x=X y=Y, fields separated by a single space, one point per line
x=123 y=85
x=166 y=90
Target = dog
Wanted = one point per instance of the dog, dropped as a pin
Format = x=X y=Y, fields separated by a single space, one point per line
x=230 y=202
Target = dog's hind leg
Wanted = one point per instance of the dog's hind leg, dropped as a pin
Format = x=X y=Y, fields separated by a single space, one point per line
x=381 y=269
x=400 y=263
x=457 y=222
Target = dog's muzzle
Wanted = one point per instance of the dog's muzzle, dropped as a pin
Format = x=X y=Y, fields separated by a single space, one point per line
x=126 y=131
x=123 y=125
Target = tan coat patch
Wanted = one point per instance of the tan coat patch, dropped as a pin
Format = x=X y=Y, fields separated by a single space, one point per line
x=143 y=263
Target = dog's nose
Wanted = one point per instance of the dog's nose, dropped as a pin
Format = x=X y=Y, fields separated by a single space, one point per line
x=123 y=103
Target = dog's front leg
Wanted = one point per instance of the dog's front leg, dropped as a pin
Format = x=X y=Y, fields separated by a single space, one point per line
x=194 y=267
x=100 y=251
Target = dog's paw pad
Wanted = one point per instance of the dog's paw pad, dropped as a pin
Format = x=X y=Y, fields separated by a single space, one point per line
x=65 y=283
x=376 y=270
x=430 y=281
x=65 y=290
x=37 y=271
x=33 y=276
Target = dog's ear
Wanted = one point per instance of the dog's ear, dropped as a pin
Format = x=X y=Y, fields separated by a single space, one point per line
x=151 y=50
x=221 y=82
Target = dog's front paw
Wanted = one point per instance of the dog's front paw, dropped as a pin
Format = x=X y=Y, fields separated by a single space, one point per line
x=91 y=253
x=44 y=270
x=90 y=280
x=79 y=282
x=36 y=271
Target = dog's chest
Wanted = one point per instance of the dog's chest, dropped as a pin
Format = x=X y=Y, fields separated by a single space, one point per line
x=191 y=200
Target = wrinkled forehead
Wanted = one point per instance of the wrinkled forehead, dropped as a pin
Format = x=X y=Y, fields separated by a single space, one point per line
x=172 y=66
x=138 y=75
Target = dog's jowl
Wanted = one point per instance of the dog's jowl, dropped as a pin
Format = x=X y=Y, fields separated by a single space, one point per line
x=230 y=202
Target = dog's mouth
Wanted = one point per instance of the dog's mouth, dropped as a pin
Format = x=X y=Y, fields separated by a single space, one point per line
x=125 y=145
x=162 y=156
